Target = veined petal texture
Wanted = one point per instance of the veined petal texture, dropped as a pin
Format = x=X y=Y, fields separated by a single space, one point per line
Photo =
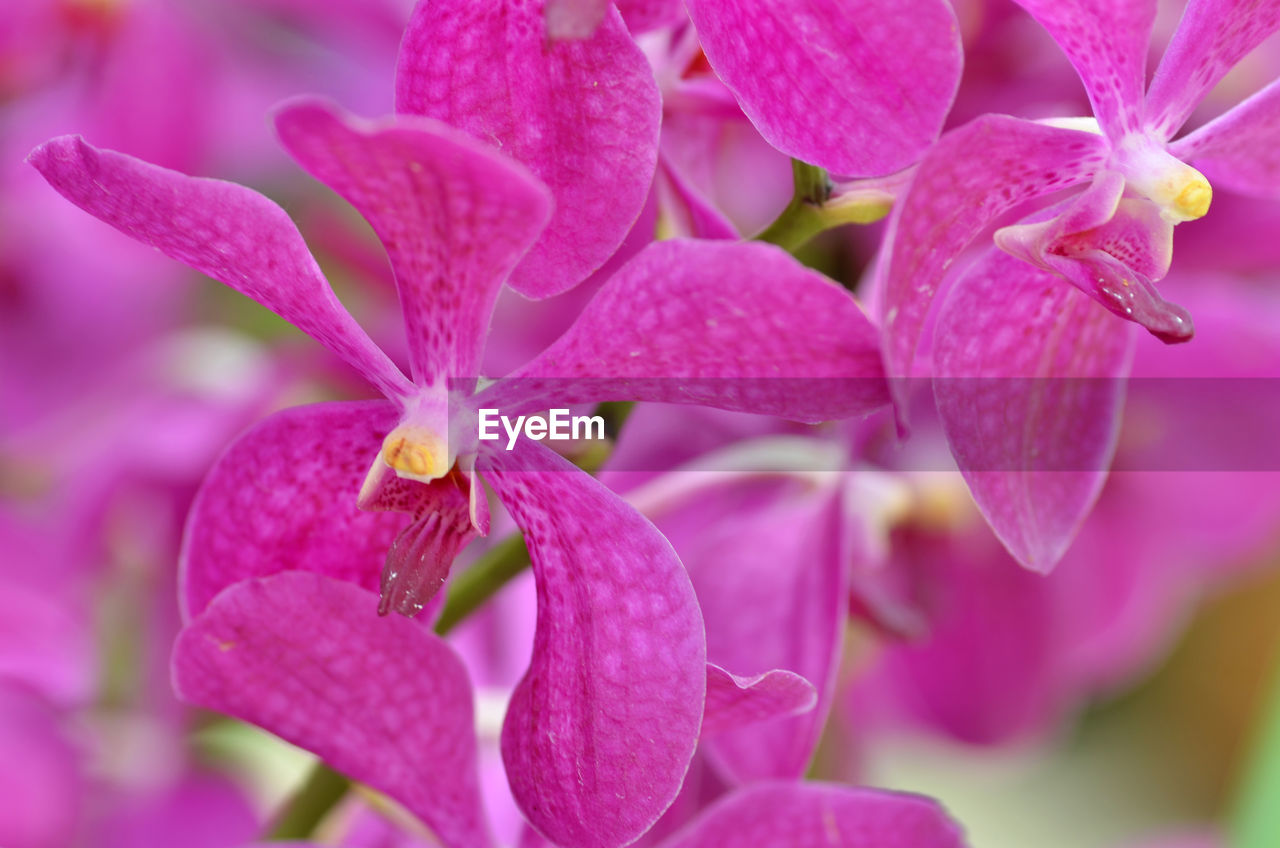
x=857 y=88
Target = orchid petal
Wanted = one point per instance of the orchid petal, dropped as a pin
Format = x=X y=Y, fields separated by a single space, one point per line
x=455 y=217
x=582 y=115
x=971 y=176
x=987 y=667
x=227 y=231
x=283 y=497
x=687 y=211
x=382 y=700
x=1212 y=37
x=1029 y=384
x=602 y=728
x=734 y=701
x=1241 y=149
x=1106 y=42
x=766 y=557
x=813 y=815
x=739 y=326
x=857 y=88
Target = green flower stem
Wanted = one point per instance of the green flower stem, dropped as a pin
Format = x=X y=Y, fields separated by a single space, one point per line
x=494 y=569
x=321 y=792
x=1256 y=819
x=814 y=210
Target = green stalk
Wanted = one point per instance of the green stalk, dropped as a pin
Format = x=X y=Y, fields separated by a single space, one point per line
x=321 y=792
x=813 y=210
x=1255 y=822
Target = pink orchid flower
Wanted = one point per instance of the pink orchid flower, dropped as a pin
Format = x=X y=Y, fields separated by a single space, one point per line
x=295 y=654
x=456 y=217
x=1029 y=373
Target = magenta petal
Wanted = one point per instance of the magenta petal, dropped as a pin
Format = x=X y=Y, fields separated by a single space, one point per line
x=734 y=701
x=455 y=217
x=986 y=668
x=582 y=115
x=227 y=231
x=1106 y=41
x=602 y=728
x=813 y=815
x=1212 y=37
x=1241 y=149
x=687 y=210
x=857 y=88
x=1029 y=381
x=283 y=497
x=971 y=176
x=382 y=700
x=738 y=326
x=768 y=560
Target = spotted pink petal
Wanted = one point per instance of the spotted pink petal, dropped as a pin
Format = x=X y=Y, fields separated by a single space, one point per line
x=455 y=217
x=1106 y=42
x=734 y=701
x=382 y=700
x=739 y=326
x=1029 y=381
x=227 y=231
x=582 y=115
x=1241 y=149
x=971 y=176
x=768 y=561
x=602 y=728
x=283 y=497
x=814 y=815
x=858 y=88
x=1212 y=37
